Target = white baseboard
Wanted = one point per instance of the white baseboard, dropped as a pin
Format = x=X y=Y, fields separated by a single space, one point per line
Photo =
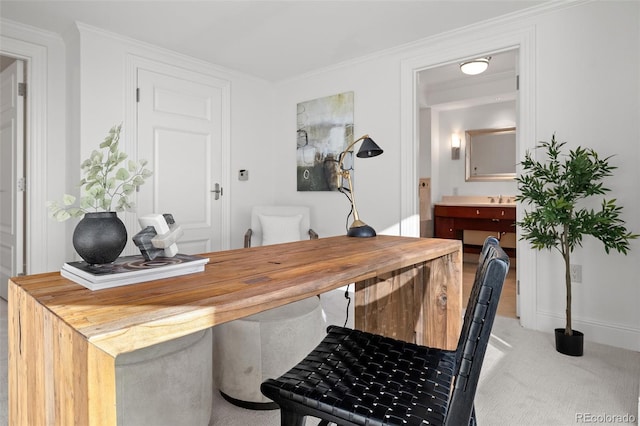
x=617 y=335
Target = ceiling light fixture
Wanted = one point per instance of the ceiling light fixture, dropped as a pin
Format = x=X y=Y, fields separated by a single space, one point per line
x=475 y=66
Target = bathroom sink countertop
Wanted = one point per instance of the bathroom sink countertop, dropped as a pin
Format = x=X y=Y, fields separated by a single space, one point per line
x=478 y=201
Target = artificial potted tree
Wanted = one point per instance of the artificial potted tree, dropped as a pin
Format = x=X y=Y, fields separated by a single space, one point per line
x=556 y=216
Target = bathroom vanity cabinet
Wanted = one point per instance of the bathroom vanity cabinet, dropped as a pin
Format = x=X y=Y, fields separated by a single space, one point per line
x=450 y=220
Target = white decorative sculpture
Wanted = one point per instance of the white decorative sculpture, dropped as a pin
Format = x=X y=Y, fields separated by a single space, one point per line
x=158 y=236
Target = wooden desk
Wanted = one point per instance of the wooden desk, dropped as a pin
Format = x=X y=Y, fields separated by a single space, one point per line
x=63 y=338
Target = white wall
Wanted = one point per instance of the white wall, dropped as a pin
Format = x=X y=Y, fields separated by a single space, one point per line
x=376 y=180
x=587 y=91
x=104 y=99
x=84 y=80
x=588 y=83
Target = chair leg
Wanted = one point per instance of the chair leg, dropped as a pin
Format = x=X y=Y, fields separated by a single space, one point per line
x=290 y=418
x=472 y=419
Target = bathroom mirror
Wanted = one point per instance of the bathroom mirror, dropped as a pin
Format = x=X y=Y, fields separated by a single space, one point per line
x=490 y=154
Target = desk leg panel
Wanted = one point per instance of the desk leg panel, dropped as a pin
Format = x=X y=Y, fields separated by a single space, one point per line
x=26 y=375
x=56 y=377
x=421 y=303
x=442 y=302
x=385 y=304
x=101 y=387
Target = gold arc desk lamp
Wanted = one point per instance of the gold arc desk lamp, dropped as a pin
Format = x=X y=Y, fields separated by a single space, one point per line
x=368 y=149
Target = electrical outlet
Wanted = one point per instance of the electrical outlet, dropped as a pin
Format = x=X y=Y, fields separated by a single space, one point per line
x=576 y=273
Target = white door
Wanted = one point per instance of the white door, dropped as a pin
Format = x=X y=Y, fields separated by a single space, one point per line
x=11 y=174
x=180 y=132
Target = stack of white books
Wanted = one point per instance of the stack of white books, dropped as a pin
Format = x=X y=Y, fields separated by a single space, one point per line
x=131 y=269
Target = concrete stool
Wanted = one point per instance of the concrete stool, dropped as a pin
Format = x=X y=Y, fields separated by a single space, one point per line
x=166 y=384
x=251 y=349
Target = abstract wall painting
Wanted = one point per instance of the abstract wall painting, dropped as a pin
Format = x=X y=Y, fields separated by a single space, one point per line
x=324 y=130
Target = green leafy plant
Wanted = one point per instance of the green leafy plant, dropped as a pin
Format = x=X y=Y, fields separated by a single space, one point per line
x=556 y=188
x=107 y=182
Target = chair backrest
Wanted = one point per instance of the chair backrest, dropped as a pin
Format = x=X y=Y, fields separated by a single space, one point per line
x=476 y=330
x=279 y=224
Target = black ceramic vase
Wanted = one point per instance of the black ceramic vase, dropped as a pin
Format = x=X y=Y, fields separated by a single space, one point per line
x=100 y=237
x=569 y=345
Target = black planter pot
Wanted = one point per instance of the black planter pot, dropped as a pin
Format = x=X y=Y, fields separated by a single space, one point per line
x=569 y=345
x=100 y=237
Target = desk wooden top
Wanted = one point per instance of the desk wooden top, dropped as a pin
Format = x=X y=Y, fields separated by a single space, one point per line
x=235 y=283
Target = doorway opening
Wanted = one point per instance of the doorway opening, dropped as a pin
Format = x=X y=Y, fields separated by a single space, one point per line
x=450 y=103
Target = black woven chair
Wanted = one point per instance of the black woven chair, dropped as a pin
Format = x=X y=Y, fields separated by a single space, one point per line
x=358 y=378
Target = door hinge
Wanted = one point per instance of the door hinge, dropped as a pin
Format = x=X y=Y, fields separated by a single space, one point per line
x=22 y=89
x=518 y=82
x=22 y=184
x=137 y=94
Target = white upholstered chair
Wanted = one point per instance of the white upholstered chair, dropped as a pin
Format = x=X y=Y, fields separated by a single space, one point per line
x=249 y=350
x=278 y=224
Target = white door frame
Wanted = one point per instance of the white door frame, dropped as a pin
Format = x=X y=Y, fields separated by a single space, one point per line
x=13 y=124
x=35 y=59
x=474 y=41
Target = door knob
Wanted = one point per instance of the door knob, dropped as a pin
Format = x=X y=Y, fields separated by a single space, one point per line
x=217 y=189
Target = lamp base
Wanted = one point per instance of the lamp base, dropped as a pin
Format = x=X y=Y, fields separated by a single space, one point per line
x=364 y=231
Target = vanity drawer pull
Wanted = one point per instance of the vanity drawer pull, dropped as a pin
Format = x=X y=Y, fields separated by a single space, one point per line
x=477 y=211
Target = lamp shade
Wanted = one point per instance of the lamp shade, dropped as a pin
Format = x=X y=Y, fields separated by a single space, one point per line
x=369 y=149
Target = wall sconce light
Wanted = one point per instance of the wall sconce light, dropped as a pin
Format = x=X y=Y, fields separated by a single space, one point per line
x=368 y=149
x=475 y=66
x=455 y=147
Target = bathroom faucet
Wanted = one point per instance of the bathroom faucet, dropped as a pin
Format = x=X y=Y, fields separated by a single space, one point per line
x=500 y=199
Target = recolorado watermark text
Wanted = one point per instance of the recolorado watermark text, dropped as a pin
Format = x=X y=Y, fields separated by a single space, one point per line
x=605 y=418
